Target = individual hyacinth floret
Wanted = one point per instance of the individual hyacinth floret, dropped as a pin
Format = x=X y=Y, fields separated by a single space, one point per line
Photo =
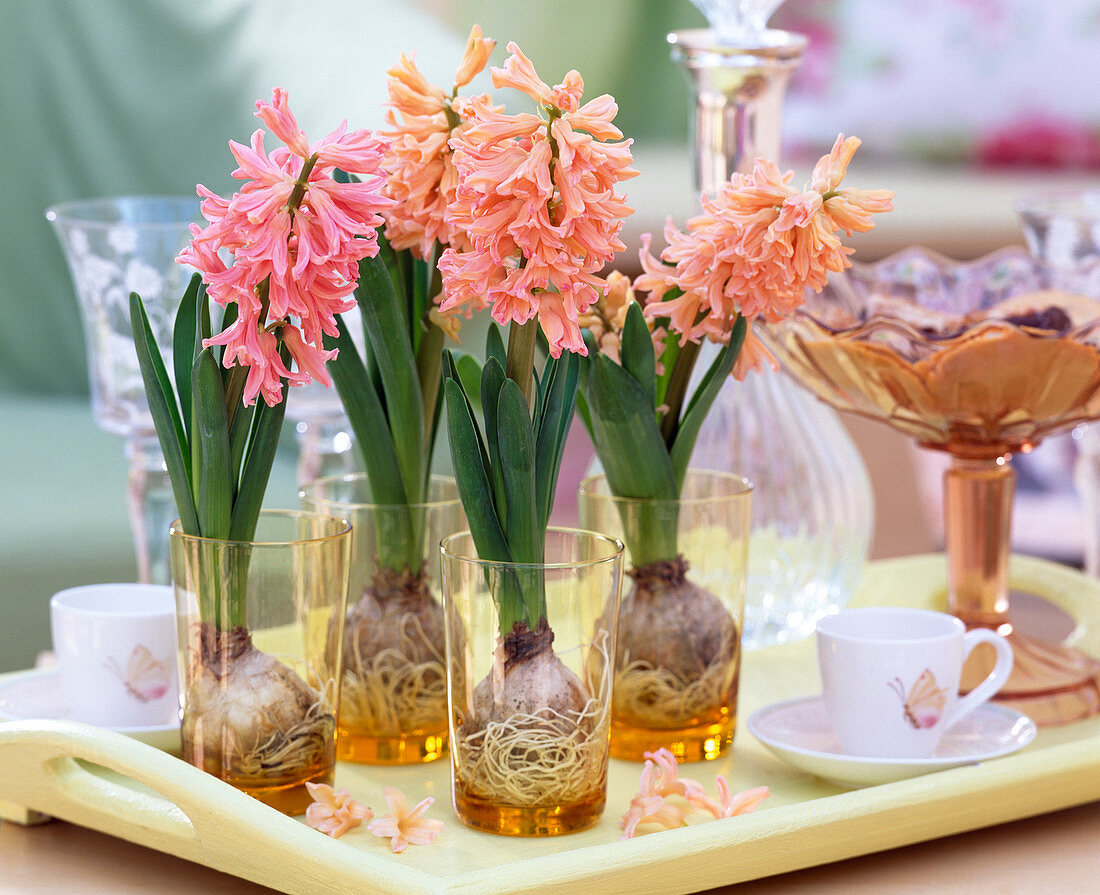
x=422 y=175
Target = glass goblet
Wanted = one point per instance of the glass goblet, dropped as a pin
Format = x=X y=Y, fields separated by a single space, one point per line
x=115 y=246
x=980 y=360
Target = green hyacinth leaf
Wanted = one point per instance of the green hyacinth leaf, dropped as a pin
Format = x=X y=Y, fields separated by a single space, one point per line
x=367 y=419
x=161 y=398
x=383 y=320
x=186 y=344
x=636 y=351
x=627 y=436
x=216 y=486
x=267 y=426
x=516 y=440
x=560 y=380
x=494 y=346
x=472 y=475
x=702 y=400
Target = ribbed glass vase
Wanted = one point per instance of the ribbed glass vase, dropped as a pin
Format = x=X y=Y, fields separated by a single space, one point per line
x=812 y=511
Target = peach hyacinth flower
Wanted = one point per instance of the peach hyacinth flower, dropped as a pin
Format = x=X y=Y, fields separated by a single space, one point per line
x=757 y=246
x=296 y=237
x=649 y=806
x=536 y=198
x=334 y=811
x=422 y=181
x=402 y=826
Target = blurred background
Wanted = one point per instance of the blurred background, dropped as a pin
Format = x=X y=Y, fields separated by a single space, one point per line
x=963 y=107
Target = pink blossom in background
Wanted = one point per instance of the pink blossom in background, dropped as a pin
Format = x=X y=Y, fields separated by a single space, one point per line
x=1038 y=141
x=757 y=246
x=296 y=244
x=536 y=198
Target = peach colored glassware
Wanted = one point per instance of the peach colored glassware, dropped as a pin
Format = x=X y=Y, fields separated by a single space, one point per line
x=925 y=344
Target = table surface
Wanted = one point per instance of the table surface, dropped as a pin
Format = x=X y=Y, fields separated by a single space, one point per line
x=1055 y=854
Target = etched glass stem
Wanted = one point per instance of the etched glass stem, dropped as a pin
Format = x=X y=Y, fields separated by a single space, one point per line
x=151 y=504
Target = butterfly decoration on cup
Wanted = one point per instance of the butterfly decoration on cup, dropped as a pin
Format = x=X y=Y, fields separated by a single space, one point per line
x=924 y=703
x=145 y=677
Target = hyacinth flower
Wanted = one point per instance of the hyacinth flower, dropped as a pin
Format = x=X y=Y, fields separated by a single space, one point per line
x=752 y=253
x=536 y=199
x=281 y=257
x=393 y=682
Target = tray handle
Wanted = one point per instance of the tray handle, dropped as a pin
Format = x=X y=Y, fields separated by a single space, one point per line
x=86 y=774
x=106 y=781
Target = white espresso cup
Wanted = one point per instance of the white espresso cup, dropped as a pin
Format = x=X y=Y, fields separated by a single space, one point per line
x=890 y=678
x=115 y=646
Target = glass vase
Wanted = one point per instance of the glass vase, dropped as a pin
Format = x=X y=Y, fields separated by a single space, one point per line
x=1063 y=230
x=812 y=506
x=531 y=709
x=393 y=697
x=678 y=654
x=813 y=509
x=259 y=683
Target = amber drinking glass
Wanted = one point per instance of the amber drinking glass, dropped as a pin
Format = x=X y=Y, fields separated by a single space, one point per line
x=678 y=660
x=259 y=683
x=393 y=698
x=529 y=729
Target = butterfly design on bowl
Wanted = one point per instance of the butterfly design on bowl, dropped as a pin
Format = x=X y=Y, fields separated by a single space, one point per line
x=145 y=677
x=924 y=703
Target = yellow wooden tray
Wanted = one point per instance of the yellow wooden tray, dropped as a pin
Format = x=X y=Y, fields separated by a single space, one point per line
x=128 y=789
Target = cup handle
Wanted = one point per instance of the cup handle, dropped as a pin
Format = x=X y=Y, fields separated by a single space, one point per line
x=996 y=679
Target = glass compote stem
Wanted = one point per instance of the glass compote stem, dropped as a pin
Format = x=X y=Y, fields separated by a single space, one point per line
x=978 y=495
x=113 y=247
x=1053 y=683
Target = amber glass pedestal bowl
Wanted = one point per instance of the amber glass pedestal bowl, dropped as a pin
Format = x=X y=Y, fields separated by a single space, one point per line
x=980 y=360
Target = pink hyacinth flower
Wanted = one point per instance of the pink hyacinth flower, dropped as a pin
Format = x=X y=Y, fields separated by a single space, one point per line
x=756 y=247
x=296 y=237
x=536 y=201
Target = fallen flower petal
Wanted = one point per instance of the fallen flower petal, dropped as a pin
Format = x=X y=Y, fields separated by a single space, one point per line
x=731 y=805
x=669 y=783
x=402 y=826
x=650 y=810
x=334 y=811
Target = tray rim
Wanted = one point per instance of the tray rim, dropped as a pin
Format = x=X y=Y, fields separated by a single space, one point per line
x=39 y=771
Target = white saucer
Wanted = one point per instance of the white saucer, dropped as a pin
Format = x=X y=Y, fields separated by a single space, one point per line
x=798 y=731
x=36 y=696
